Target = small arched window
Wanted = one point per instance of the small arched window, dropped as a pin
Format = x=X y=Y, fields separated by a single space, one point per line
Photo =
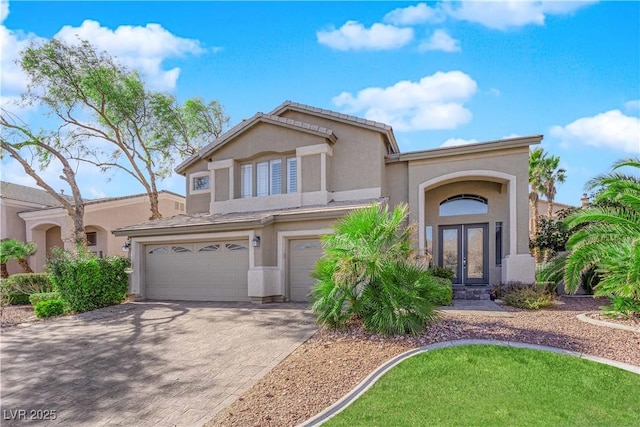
x=464 y=204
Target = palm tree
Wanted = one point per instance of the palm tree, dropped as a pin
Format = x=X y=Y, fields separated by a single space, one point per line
x=537 y=160
x=15 y=249
x=551 y=174
x=608 y=238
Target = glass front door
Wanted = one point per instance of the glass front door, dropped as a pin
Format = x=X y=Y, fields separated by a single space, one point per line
x=464 y=248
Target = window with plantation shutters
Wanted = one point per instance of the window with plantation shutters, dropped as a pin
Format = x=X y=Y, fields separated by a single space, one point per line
x=247 y=180
x=262 y=179
x=292 y=175
x=275 y=167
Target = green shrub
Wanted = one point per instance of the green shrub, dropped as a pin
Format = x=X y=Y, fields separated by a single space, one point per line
x=18 y=298
x=52 y=307
x=530 y=298
x=86 y=282
x=444 y=272
x=43 y=296
x=29 y=283
x=499 y=290
x=443 y=292
x=622 y=306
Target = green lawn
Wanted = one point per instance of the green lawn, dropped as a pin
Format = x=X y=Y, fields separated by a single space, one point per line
x=484 y=385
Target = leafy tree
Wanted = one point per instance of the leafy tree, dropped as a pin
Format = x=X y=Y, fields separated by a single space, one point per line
x=15 y=249
x=110 y=119
x=607 y=239
x=38 y=150
x=369 y=271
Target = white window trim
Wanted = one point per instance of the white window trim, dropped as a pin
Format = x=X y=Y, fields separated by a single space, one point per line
x=195 y=175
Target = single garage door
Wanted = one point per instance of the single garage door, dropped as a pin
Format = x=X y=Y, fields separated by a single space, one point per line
x=211 y=271
x=303 y=254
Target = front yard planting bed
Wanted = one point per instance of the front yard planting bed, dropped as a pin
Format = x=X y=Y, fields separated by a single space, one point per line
x=330 y=363
x=497 y=386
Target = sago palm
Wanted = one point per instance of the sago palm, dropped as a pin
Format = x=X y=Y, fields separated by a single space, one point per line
x=15 y=249
x=608 y=238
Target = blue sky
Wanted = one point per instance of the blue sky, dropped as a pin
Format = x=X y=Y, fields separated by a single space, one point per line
x=441 y=73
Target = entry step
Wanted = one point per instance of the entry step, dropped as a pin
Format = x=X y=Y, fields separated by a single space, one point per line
x=477 y=292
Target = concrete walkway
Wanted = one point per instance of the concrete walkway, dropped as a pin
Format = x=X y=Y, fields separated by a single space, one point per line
x=144 y=364
x=476 y=307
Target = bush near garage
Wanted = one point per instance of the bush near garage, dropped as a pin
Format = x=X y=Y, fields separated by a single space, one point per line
x=49 y=308
x=17 y=288
x=86 y=282
x=34 y=299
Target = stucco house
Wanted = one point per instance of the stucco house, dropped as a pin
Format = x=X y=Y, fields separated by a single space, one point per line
x=260 y=196
x=33 y=215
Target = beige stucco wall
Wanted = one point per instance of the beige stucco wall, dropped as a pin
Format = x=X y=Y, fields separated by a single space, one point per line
x=513 y=162
x=311 y=173
x=12 y=227
x=355 y=146
x=197 y=203
x=221 y=185
x=396 y=183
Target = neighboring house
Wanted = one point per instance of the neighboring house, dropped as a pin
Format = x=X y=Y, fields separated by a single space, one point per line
x=543 y=207
x=32 y=215
x=260 y=196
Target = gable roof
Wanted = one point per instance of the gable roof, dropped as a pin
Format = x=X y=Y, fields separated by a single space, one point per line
x=345 y=118
x=246 y=124
x=23 y=193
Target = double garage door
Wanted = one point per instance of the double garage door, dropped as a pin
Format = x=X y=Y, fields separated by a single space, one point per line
x=217 y=271
x=210 y=271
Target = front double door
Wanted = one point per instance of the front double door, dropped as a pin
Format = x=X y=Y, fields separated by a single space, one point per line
x=464 y=248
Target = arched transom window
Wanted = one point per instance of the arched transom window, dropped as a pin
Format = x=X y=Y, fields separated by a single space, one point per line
x=464 y=204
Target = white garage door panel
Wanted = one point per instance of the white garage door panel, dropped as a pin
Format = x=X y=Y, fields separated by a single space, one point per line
x=191 y=273
x=303 y=254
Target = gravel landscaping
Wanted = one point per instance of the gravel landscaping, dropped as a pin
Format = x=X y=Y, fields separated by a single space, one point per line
x=13 y=315
x=331 y=363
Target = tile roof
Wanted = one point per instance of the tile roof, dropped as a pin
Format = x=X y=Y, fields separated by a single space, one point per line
x=322 y=111
x=171 y=224
x=23 y=193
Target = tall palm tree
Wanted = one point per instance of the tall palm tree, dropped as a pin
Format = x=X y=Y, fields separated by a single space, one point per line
x=537 y=160
x=551 y=175
x=609 y=237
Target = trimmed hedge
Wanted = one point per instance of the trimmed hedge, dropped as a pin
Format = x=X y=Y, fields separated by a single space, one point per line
x=52 y=307
x=85 y=282
x=34 y=299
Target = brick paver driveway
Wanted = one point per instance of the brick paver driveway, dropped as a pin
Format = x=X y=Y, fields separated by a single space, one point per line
x=148 y=363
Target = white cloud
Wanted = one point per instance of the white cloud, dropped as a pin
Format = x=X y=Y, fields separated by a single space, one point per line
x=142 y=48
x=632 y=105
x=12 y=79
x=454 y=142
x=4 y=10
x=495 y=92
x=440 y=40
x=505 y=14
x=434 y=102
x=612 y=130
x=417 y=14
x=354 y=36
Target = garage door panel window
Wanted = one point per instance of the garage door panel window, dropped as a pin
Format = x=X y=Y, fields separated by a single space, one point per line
x=307 y=245
x=180 y=249
x=209 y=248
x=236 y=247
x=159 y=251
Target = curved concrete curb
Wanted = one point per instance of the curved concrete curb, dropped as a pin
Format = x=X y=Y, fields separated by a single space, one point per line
x=354 y=394
x=588 y=319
